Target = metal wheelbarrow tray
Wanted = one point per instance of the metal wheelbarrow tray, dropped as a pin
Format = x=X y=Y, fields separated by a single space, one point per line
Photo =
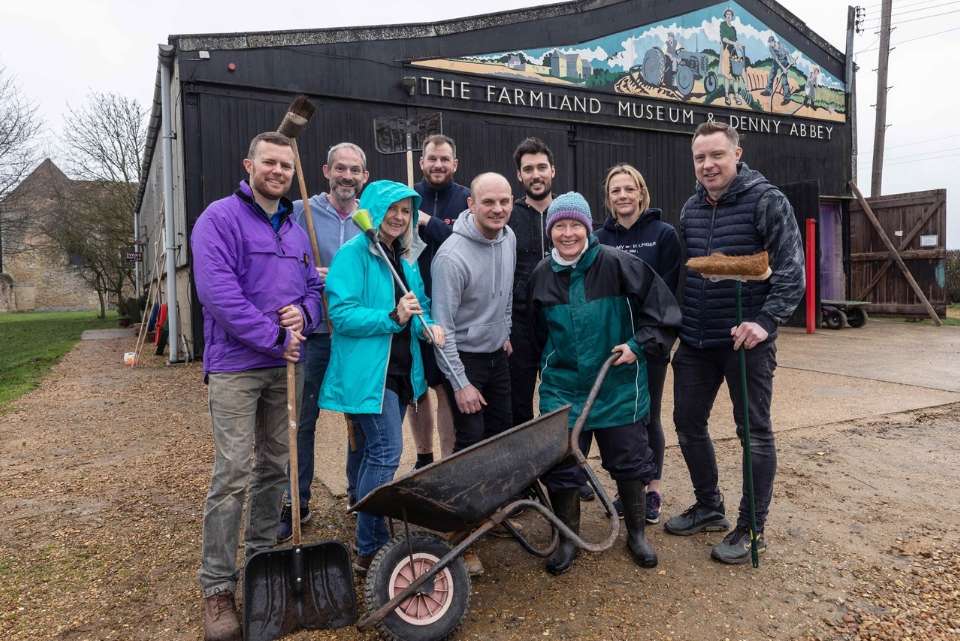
x=417 y=587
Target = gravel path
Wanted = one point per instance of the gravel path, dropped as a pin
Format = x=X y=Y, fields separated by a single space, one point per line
x=103 y=472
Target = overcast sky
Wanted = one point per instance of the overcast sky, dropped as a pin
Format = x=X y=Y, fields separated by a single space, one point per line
x=60 y=50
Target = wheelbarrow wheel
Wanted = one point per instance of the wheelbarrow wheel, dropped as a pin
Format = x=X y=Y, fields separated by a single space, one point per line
x=433 y=614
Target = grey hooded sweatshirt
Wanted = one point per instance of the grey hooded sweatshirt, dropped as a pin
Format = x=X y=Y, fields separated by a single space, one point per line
x=473 y=292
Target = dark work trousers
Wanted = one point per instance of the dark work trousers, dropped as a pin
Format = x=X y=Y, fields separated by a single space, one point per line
x=490 y=374
x=656 y=375
x=524 y=363
x=624 y=453
x=697 y=374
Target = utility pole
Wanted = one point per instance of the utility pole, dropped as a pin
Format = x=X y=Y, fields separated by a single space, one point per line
x=880 y=129
x=848 y=72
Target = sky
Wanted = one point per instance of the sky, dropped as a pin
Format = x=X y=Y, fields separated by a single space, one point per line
x=61 y=50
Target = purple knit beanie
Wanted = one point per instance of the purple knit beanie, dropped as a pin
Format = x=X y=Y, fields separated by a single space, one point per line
x=569 y=206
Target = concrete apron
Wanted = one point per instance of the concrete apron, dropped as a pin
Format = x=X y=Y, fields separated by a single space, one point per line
x=831 y=376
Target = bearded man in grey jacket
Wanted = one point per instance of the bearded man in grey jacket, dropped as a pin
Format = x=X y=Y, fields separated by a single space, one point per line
x=472 y=299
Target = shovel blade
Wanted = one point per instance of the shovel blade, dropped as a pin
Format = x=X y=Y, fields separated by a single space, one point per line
x=276 y=603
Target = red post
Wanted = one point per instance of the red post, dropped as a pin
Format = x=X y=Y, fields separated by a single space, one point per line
x=811 y=264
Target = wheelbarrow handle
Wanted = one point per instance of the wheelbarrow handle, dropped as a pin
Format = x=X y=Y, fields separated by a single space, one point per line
x=591 y=397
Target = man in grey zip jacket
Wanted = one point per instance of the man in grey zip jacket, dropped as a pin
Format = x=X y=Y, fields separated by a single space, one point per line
x=473 y=299
x=346 y=173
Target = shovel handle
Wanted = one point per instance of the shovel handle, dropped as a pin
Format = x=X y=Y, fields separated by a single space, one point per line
x=292 y=440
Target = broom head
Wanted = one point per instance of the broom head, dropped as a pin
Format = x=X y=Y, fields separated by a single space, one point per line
x=719 y=266
x=298 y=115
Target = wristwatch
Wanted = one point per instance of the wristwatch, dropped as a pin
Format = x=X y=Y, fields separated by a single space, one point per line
x=395 y=318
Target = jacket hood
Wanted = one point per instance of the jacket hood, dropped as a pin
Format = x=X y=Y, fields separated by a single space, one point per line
x=648 y=216
x=745 y=179
x=466 y=226
x=377 y=198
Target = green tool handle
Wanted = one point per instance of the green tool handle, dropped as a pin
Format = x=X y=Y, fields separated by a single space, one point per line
x=747 y=460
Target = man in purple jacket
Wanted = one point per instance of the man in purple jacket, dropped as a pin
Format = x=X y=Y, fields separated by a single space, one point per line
x=260 y=292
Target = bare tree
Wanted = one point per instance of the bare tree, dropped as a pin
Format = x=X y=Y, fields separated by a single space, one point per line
x=19 y=132
x=105 y=139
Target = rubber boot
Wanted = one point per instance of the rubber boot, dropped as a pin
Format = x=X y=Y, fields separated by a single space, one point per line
x=634 y=496
x=566 y=505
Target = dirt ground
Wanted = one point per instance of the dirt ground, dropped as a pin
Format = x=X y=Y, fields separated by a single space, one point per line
x=103 y=471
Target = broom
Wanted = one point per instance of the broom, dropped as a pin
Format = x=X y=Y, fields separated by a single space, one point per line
x=718 y=267
x=294 y=122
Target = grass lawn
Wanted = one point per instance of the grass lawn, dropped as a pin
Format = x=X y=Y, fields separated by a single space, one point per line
x=30 y=344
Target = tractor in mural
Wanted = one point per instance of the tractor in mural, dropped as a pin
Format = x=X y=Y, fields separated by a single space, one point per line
x=676 y=70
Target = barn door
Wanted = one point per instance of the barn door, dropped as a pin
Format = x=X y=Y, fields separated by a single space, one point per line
x=916 y=223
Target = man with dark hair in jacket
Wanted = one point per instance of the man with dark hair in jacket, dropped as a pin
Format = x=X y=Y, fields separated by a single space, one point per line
x=734 y=211
x=443 y=200
x=260 y=292
x=535 y=171
x=346 y=173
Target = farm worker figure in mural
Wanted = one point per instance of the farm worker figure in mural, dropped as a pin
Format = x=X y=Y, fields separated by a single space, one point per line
x=810 y=91
x=731 y=60
x=780 y=65
x=673 y=52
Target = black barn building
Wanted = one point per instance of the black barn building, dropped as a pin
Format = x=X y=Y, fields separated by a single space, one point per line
x=601 y=81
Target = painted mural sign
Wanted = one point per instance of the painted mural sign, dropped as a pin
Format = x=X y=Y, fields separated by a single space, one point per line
x=719 y=56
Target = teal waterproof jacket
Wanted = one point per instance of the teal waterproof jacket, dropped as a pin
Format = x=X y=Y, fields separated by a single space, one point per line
x=580 y=313
x=360 y=297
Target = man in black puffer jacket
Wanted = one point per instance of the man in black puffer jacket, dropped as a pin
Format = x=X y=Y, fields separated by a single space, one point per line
x=737 y=212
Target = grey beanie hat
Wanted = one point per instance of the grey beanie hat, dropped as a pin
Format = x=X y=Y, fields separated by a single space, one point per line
x=569 y=206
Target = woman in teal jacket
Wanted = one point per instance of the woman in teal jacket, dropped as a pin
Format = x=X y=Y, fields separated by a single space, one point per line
x=376 y=368
x=589 y=300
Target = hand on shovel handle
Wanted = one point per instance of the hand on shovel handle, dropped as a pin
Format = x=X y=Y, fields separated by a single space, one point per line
x=292 y=352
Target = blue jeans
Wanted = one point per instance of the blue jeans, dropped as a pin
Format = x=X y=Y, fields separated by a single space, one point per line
x=380 y=458
x=316 y=359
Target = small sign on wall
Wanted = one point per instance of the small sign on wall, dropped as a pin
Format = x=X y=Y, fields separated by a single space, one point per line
x=928 y=240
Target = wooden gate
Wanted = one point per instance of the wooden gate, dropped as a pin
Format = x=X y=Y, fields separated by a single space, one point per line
x=916 y=223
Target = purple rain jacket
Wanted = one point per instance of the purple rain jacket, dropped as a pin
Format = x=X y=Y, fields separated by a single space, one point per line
x=244 y=273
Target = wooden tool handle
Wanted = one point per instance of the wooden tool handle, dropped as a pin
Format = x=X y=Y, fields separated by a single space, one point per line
x=292 y=439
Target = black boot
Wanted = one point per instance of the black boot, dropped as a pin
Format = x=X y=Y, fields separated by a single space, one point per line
x=634 y=497
x=566 y=505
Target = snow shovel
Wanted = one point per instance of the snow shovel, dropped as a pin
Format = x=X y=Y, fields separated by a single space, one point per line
x=405 y=136
x=298 y=586
x=717 y=267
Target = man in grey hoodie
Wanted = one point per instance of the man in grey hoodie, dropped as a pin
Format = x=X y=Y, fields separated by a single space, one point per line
x=346 y=172
x=472 y=299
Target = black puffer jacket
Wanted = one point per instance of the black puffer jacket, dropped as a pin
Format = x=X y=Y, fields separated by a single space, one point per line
x=752 y=215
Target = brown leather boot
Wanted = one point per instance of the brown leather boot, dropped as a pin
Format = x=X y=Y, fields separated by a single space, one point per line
x=220 y=622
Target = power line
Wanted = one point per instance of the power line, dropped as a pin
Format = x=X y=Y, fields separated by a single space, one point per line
x=876 y=5
x=897 y=14
x=933 y=15
x=897 y=44
x=920 y=142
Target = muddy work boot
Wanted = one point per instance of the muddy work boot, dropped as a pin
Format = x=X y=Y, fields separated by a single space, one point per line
x=220 y=622
x=698 y=518
x=634 y=497
x=566 y=505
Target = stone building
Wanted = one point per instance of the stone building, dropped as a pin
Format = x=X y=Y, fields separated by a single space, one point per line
x=34 y=275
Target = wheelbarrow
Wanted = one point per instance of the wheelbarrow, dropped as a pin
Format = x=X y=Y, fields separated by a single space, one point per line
x=417 y=587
